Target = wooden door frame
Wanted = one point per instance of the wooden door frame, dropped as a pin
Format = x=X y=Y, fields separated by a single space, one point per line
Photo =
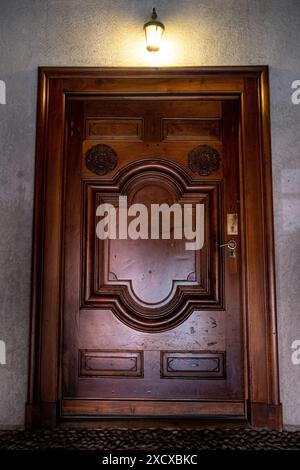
x=250 y=85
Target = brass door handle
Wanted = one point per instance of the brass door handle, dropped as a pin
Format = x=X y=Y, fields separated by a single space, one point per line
x=231 y=245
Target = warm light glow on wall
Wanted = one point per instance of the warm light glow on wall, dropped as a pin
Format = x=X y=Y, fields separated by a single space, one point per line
x=168 y=55
x=127 y=46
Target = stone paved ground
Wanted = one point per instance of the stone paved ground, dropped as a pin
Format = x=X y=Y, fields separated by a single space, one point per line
x=150 y=439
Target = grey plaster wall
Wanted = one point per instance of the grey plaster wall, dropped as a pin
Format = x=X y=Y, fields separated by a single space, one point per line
x=108 y=33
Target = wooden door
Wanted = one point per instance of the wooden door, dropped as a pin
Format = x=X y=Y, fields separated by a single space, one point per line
x=150 y=327
x=143 y=327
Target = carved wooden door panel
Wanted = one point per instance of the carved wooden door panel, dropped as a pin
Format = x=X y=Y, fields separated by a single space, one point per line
x=149 y=327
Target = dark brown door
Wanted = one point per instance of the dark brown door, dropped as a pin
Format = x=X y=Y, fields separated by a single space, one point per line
x=145 y=327
x=149 y=327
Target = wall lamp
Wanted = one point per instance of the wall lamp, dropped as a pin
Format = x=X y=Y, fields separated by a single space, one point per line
x=154 y=30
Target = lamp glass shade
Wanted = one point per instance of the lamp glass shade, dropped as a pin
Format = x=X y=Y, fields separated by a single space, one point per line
x=154 y=30
x=153 y=33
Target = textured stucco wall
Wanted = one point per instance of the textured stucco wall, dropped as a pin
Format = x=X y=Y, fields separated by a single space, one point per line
x=108 y=33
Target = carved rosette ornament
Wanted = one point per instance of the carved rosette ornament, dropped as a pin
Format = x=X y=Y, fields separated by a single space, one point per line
x=204 y=160
x=101 y=159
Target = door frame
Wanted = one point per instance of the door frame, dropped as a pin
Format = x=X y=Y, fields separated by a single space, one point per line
x=250 y=85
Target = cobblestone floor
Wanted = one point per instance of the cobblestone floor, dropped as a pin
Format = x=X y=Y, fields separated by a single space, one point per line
x=150 y=439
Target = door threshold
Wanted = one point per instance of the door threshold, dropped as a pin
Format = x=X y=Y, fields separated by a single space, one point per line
x=160 y=423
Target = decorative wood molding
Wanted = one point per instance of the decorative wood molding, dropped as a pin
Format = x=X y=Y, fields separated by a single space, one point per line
x=204 y=290
x=204 y=160
x=99 y=363
x=101 y=159
x=192 y=364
